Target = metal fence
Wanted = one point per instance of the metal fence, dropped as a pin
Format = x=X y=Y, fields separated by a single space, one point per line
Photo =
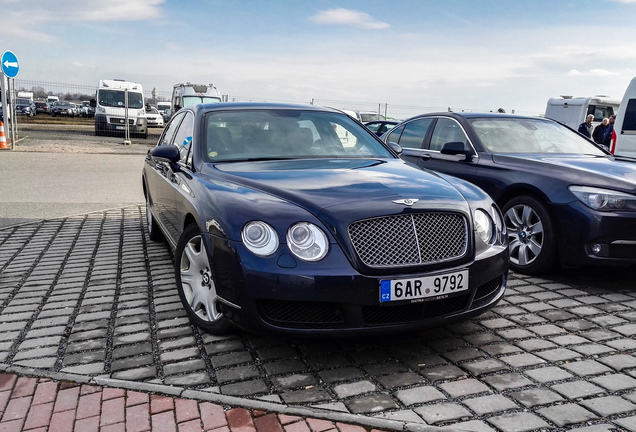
x=74 y=93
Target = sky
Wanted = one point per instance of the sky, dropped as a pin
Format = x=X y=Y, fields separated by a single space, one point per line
x=464 y=54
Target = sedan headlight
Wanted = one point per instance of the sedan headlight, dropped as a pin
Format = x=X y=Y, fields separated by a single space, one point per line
x=485 y=226
x=260 y=238
x=604 y=199
x=307 y=241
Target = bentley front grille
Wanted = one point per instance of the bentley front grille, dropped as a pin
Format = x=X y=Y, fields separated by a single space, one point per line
x=408 y=240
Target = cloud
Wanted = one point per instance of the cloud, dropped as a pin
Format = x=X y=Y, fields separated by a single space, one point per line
x=348 y=17
x=593 y=73
x=624 y=1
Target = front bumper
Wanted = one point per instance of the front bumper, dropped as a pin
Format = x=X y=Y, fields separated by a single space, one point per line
x=589 y=237
x=285 y=296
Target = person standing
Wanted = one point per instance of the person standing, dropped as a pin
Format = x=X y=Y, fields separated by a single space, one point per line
x=599 y=131
x=607 y=137
x=586 y=127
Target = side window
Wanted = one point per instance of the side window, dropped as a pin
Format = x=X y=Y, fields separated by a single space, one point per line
x=629 y=122
x=168 y=135
x=447 y=130
x=394 y=136
x=183 y=136
x=415 y=132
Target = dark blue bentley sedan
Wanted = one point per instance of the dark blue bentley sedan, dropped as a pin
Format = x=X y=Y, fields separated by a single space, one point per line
x=564 y=199
x=296 y=220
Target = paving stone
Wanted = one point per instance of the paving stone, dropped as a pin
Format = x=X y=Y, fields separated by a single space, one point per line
x=371 y=404
x=567 y=414
x=622 y=344
x=500 y=349
x=535 y=397
x=385 y=368
x=338 y=375
x=518 y=422
x=615 y=382
x=354 y=389
x=482 y=367
x=592 y=349
x=587 y=367
x=535 y=344
x=254 y=387
x=577 y=389
x=619 y=361
x=419 y=395
x=464 y=387
x=443 y=373
x=522 y=360
x=558 y=354
x=608 y=405
x=400 y=380
x=189 y=379
x=629 y=423
x=516 y=333
x=443 y=412
x=464 y=354
x=480 y=339
x=508 y=381
x=490 y=404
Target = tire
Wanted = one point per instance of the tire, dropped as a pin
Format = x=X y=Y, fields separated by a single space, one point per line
x=531 y=234
x=196 y=283
x=154 y=232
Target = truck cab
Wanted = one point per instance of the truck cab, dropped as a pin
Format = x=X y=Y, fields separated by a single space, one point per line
x=188 y=94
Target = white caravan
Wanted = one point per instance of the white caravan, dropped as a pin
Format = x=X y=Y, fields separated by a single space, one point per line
x=572 y=111
x=112 y=108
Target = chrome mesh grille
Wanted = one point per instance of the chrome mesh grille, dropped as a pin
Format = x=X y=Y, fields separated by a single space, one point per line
x=406 y=240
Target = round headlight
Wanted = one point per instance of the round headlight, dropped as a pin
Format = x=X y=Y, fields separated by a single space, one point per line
x=307 y=241
x=484 y=226
x=260 y=238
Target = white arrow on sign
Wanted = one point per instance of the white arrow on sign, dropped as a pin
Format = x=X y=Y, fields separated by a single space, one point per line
x=10 y=64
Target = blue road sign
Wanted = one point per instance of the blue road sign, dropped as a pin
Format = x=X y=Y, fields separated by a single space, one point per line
x=10 y=66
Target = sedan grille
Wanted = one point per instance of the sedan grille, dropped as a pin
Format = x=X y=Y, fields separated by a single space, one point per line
x=407 y=240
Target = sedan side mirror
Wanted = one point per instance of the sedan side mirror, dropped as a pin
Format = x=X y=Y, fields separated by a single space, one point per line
x=165 y=153
x=395 y=147
x=456 y=148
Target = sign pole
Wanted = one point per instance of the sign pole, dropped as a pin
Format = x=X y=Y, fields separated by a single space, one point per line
x=127 y=129
x=10 y=68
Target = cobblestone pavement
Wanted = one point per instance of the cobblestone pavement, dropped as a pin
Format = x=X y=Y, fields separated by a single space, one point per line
x=88 y=299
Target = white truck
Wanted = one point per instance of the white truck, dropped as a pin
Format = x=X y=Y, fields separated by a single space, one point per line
x=188 y=94
x=623 y=141
x=572 y=111
x=112 y=108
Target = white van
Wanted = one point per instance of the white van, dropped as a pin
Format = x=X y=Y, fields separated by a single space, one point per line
x=572 y=111
x=624 y=135
x=188 y=94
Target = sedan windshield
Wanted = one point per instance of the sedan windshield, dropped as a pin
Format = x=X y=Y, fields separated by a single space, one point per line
x=522 y=135
x=281 y=134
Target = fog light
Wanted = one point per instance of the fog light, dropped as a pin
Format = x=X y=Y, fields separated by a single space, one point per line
x=599 y=249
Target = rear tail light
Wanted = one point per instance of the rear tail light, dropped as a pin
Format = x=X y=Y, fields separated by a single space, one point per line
x=613 y=142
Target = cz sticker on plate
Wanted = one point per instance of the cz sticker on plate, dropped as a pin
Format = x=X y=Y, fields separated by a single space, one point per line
x=415 y=289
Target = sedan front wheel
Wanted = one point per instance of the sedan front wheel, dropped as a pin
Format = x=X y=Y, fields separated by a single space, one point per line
x=196 y=283
x=531 y=235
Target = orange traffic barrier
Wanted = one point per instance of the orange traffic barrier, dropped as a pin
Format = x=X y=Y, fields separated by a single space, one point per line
x=3 y=139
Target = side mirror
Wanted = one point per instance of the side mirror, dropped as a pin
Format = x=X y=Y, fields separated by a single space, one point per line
x=395 y=147
x=165 y=153
x=456 y=148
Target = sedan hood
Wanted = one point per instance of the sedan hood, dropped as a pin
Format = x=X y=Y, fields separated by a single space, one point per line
x=347 y=184
x=601 y=171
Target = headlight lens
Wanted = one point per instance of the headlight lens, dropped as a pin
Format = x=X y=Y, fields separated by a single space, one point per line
x=307 y=241
x=260 y=238
x=604 y=199
x=484 y=226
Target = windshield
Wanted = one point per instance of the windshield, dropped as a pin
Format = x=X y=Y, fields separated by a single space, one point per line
x=282 y=134
x=522 y=135
x=193 y=100
x=367 y=117
x=116 y=98
x=23 y=101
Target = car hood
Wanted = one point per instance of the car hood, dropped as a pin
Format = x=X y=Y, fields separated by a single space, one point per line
x=602 y=171
x=346 y=185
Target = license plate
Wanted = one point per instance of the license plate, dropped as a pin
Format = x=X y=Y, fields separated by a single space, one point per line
x=120 y=127
x=422 y=288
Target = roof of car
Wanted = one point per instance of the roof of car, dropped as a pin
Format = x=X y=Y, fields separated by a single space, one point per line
x=259 y=105
x=469 y=115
